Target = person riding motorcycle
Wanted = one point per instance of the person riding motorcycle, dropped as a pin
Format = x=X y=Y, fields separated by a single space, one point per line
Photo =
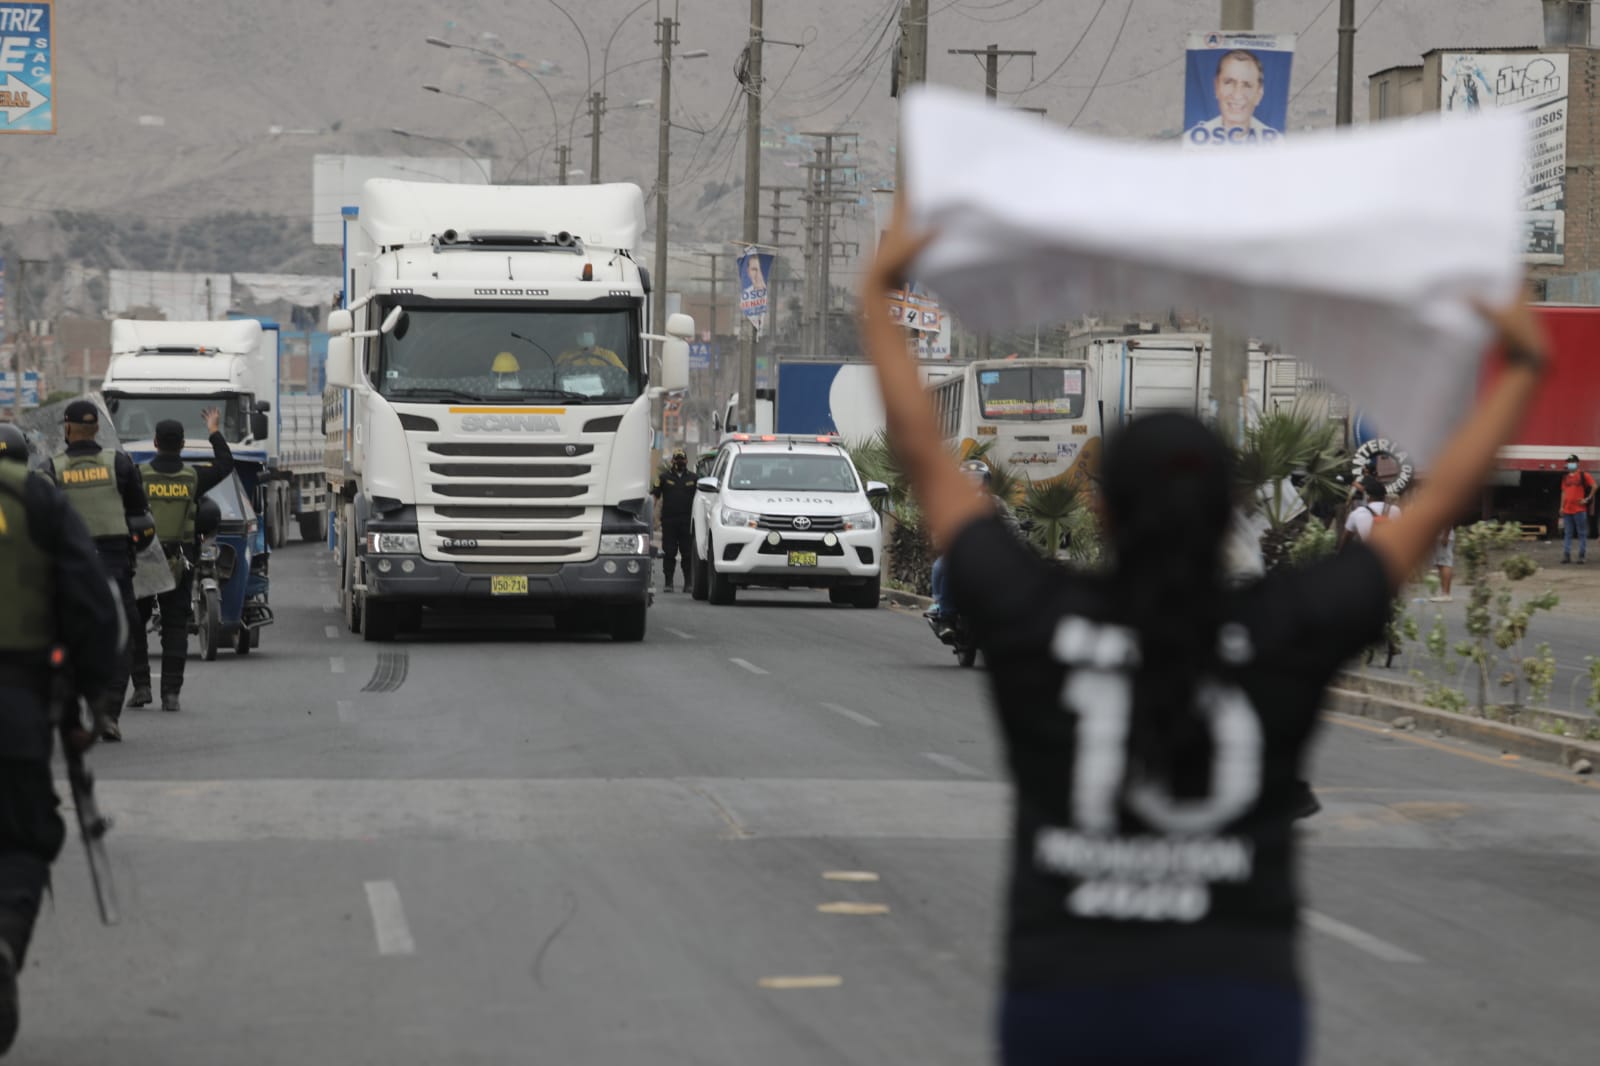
x=980 y=473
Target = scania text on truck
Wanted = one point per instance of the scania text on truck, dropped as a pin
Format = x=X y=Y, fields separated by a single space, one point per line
x=489 y=405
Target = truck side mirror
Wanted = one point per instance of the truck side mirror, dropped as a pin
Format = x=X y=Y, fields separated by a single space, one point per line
x=263 y=406
x=341 y=365
x=675 y=352
x=259 y=426
x=340 y=321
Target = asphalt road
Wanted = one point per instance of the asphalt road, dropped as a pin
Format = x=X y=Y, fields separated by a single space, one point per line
x=770 y=834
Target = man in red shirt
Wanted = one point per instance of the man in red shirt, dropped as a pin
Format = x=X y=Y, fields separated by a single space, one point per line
x=1577 y=490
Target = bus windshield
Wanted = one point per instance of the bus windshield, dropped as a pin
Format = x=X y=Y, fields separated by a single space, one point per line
x=1031 y=394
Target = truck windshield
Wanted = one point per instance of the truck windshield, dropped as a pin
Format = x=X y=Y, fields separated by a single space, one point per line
x=788 y=472
x=1030 y=394
x=136 y=416
x=515 y=355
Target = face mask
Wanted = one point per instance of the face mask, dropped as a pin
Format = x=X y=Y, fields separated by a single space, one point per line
x=1572 y=466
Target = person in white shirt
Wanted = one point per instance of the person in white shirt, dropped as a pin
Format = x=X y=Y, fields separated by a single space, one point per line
x=1371 y=509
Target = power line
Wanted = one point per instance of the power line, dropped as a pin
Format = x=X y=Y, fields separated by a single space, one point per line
x=1109 y=53
x=1312 y=80
x=1070 y=53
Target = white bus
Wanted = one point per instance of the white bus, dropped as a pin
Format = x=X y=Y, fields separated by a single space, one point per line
x=1038 y=416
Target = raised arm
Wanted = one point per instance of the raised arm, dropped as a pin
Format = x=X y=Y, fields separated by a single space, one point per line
x=1467 y=458
x=948 y=500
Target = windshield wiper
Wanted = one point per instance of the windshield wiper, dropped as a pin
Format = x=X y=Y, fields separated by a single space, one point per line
x=561 y=394
x=434 y=394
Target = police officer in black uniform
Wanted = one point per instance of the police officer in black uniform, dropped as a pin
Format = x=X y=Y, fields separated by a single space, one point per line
x=55 y=594
x=175 y=488
x=103 y=486
x=675 y=489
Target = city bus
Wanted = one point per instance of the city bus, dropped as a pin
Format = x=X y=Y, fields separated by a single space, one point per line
x=1041 y=417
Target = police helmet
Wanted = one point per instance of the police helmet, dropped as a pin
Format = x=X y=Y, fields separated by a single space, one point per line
x=141 y=530
x=977 y=470
x=13 y=443
x=207 y=517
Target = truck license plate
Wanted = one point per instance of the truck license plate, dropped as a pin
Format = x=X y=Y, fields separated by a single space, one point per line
x=512 y=585
x=802 y=558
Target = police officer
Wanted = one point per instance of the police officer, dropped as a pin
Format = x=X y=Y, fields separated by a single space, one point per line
x=56 y=594
x=103 y=486
x=675 y=489
x=175 y=488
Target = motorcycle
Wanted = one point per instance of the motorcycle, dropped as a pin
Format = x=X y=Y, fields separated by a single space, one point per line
x=954 y=634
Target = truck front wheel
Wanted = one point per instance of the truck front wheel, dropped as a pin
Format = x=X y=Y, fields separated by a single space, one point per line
x=312 y=529
x=628 y=623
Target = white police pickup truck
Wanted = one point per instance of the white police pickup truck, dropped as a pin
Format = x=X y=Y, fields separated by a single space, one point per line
x=787 y=512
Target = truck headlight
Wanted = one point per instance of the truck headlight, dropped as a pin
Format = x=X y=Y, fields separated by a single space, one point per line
x=624 y=544
x=394 y=544
x=864 y=520
x=730 y=517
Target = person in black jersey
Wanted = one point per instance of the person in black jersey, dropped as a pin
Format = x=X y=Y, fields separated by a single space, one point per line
x=1155 y=720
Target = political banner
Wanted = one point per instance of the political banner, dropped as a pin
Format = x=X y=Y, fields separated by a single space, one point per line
x=1537 y=85
x=8 y=389
x=755 y=268
x=1237 y=88
x=27 y=69
x=700 y=355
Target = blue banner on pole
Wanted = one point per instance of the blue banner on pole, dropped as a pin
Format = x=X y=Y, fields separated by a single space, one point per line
x=754 y=270
x=700 y=354
x=30 y=389
x=27 y=69
x=1237 y=88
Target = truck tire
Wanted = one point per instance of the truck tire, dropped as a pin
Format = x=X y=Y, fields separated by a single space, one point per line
x=379 y=622
x=867 y=596
x=720 y=590
x=351 y=598
x=627 y=624
x=699 y=579
x=312 y=527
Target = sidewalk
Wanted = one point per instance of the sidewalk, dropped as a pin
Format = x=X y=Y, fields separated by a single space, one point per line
x=1578 y=586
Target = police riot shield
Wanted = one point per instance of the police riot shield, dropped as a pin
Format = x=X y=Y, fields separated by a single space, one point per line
x=152 y=572
x=46 y=436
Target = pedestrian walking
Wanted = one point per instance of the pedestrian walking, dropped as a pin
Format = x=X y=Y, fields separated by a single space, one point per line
x=1577 y=494
x=104 y=488
x=56 y=595
x=175 y=488
x=675 y=488
x=1155 y=719
x=1444 y=561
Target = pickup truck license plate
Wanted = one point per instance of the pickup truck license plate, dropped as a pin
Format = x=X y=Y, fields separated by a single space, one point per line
x=802 y=558
x=511 y=585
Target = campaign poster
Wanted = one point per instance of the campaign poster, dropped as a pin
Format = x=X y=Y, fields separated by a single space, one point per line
x=1537 y=85
x=27 y=68
x=755 y=268
x=1236 y=90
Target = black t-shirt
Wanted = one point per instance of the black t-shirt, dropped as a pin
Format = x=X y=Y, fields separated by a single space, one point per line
x=1111 y=875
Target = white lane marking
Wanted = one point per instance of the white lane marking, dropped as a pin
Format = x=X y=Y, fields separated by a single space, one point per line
x=331 y=631
x=346 y=710
x=680 y=634
x=953 y=764
x=752 y=667
x=389 y=919
x=1358 y=938
x=336 y=663
x=855 y=716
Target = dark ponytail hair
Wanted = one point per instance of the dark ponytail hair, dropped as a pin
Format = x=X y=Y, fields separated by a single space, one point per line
x=1167 y=484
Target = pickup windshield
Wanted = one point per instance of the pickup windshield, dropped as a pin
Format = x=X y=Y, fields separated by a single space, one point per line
x=787 y=472
x=512 y=355
x=136 y=416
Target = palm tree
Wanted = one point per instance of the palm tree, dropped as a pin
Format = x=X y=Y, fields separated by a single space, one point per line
x=1051 y=506
x=1293 y=443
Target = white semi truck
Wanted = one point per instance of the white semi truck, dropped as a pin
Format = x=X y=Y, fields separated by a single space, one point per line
x=489 y=405
x=161 y=370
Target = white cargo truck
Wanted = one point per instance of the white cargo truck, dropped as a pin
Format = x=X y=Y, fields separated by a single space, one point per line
x=489 y=406
x=161 y=370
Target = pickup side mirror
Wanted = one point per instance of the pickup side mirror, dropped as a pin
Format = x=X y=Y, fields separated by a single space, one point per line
x=877 y=490
x=341 y=365
x=708 y=485
x=259 y=426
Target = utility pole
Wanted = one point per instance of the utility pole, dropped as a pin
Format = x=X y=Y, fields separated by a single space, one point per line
x=991 y=88
x=715 y=376
x=825 y=195
x=597 y=107
x=777 y=218
x=1347 y=61
x=563 y=162
x=749 y=341
x=1230 y=341
x=813 y=199
x=666 y=37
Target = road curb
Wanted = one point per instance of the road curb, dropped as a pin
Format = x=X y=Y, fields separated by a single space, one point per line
x=907 y=599
x=1508 y=739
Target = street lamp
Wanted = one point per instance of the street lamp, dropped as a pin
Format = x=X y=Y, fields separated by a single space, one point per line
x=398 y=132
x=555 y=118
x=483 y=103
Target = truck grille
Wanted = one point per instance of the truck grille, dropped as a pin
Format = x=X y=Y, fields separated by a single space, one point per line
x=531 y=513
x=548 y=470
x=511 y=451
x=784 y=523
x=512 y=492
